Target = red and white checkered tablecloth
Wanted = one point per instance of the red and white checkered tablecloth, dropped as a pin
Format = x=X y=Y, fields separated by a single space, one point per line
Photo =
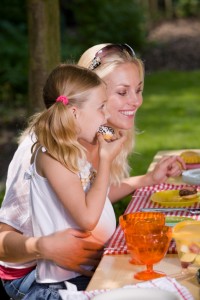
x=141 y=199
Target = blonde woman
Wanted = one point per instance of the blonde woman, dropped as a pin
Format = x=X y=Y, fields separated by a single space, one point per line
x=123 y=73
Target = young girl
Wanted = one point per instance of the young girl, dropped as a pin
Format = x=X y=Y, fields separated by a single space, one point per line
x=66 y=191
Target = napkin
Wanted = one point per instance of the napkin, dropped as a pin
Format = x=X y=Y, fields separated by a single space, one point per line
x=164 y=283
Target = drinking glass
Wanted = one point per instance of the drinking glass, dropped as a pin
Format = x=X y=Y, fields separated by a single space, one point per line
x=149 y=247
x=131 y=222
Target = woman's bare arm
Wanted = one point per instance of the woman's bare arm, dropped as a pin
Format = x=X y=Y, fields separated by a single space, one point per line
x=66 y=248
x=168 y=166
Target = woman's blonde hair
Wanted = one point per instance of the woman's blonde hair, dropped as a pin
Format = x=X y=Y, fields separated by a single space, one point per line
x=120 y=167
x=55 y=127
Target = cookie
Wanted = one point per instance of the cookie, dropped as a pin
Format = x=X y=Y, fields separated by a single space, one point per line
x=107 y=132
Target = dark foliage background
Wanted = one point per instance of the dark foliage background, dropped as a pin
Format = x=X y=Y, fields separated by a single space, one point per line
x=88 y=22
x=13 y=52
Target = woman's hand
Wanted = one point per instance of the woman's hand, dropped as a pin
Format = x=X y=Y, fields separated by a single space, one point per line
x=69 y=249
x=168 y=166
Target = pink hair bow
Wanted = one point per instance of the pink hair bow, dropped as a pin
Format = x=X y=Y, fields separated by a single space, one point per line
x=63 y=99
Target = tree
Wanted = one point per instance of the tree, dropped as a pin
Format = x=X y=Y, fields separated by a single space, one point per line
x=44 y=46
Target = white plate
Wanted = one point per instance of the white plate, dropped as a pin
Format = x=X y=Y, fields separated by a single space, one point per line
x=191 y=176
x=137 y=294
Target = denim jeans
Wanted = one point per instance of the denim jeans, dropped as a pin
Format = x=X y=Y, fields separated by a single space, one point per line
x=27 y=288
x=18 y=288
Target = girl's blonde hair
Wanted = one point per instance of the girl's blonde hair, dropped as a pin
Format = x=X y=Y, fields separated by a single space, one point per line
x=120 y=167
x=55 y=127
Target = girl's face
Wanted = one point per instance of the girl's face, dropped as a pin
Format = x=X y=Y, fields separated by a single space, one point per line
x=93 y=114
x=124 y=91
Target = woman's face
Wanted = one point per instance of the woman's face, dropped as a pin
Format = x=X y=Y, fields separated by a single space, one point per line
x=124 y=90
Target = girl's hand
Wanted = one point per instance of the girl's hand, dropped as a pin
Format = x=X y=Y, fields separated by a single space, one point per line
x=109 y=150
x=168 y=166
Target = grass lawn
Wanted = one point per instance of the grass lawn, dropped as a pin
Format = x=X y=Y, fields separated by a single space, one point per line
x=168 y=119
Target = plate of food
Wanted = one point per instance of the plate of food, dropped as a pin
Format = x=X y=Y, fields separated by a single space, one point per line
x=191 y=176
x=176 y=198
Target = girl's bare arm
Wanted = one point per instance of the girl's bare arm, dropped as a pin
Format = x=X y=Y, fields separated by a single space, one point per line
x=85 y=208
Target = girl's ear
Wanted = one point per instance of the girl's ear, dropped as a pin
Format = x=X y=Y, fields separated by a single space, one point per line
x=74 y=111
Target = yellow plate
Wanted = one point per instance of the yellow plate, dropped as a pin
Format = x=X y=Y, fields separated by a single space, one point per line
x=171 y=198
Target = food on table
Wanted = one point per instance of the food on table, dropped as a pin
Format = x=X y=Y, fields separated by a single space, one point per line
x=107 y=132
x=188 y=257
x=195 y=248
x=188 y=192
x=197 y=260
x=190 y=157
x=187 y=238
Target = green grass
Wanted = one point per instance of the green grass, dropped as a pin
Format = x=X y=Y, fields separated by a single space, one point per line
x=168 y=119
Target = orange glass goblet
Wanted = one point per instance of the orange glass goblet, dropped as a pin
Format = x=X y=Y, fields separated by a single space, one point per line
x=149 y=248
x=134 y=221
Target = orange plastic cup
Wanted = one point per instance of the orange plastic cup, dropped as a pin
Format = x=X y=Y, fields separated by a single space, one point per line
x=140 y=222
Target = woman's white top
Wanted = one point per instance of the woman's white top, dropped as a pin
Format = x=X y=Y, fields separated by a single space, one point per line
x=15 y=206
x=49 y=215
x=15 y=210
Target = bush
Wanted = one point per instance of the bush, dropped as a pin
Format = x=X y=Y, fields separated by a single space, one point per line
x=187 y=8
x=103 y=21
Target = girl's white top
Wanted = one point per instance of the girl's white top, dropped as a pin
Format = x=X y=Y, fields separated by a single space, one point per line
x=49 y=215
x=15 y=209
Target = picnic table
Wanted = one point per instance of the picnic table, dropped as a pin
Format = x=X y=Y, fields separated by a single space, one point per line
x=115 y=271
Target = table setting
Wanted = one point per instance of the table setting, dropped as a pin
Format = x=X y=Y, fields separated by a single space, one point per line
x=174 y=211
x=116 y=271
x=142 y=201
x=161 y=285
